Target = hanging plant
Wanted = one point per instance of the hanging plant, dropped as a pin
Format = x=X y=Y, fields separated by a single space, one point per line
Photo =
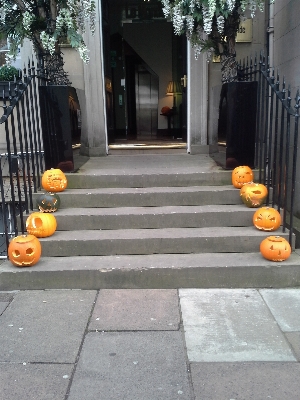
x=253 y=194
x=211 y=27
x=275 y=248
x=41 y=224
x=24 y=251
x=241 y=175
x=54 y=180
x=267 y=219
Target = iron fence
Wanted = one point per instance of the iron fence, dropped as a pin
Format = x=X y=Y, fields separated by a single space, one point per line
x=22 y=155
x=276 y=140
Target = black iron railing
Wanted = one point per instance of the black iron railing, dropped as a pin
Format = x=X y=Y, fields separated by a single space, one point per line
x=276 y=141
x=21 y=153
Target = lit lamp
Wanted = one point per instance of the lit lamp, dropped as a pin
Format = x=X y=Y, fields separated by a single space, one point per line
x=173 y=88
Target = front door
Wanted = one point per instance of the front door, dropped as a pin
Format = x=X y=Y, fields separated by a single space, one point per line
x=144 y=57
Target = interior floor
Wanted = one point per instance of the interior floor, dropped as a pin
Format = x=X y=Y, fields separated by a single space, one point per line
x=154 y=143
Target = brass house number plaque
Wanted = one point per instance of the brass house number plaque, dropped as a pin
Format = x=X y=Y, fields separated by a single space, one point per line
x=244 y=33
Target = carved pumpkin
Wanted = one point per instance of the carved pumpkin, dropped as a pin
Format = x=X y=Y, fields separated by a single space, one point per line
x=267 y=219
x=48 y=202
x=241 y=175
x=41 y=224
x=275 y=248
x=54 y=180
x=24 y=251
x=253 y=194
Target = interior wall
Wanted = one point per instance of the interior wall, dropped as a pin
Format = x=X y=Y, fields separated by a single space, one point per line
x=153 y=43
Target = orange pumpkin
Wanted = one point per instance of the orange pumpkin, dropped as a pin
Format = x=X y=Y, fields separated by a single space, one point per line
x=41 y=224
x=54 y=180
x=267 y=219
x=241 y=175
x=275 y=248
x=253 y=194
x=24 y=251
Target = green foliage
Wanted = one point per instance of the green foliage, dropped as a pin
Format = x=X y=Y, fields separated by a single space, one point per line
x=8 y=73
x=210 y=25
x=46 y=23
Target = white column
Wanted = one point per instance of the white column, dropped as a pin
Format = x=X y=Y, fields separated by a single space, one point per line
x=197 y=103
x=94 y=132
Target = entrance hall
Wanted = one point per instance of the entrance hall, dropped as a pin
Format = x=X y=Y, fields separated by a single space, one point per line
x=145 y=76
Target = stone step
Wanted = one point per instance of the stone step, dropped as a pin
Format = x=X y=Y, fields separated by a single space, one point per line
x=156 y=271
x=153 y=196
x=85 y=179
x=153 y=217
x=153 y=241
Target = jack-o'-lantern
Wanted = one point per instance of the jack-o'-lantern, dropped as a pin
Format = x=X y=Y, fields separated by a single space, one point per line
x=48 y=202
x=241 y=175
x=253 y=194
x=54 y=180
x=266 y=219
x=275 y=248
x=24 y=251
x=41 y=225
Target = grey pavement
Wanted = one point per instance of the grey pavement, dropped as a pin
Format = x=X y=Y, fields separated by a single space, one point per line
x=150 y=344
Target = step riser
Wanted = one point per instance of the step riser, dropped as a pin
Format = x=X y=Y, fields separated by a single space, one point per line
x=157 y=278
x=148 y=200
x=159 y=221
x=108 y=247
x=151 y=180
x=153 y=272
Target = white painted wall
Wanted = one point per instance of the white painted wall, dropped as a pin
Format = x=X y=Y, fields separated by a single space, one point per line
x=287 y=58
x=286 y=40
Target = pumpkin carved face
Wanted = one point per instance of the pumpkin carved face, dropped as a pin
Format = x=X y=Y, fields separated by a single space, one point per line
x=241 y=175
x=54 y=180
x=48 y=202
x=41 y=224
x=253 y=194
x=24 y=251
x=266 y=219
x=275 y=248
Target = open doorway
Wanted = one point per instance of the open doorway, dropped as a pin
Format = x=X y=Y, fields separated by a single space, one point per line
x=142 y=57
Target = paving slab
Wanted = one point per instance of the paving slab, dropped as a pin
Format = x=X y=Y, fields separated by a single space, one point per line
x=224 y=325
x=45 y=326
x=131 y=366
x=136 y=309
x=3 y=306
x=34 y=381
x=285 y=307
x=246 y=381
x=294 y=340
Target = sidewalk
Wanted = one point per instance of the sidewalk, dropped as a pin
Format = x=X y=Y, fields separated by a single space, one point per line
x=219 y=344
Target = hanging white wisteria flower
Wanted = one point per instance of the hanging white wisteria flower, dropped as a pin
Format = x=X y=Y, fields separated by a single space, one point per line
x=48 y=42
x=220 y=23
x=219 y=19
x=27 y=20
x=83 y=52
x=47 y=24
x=211 y=25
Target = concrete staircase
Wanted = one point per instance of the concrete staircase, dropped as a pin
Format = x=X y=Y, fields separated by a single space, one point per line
x=165 y=230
